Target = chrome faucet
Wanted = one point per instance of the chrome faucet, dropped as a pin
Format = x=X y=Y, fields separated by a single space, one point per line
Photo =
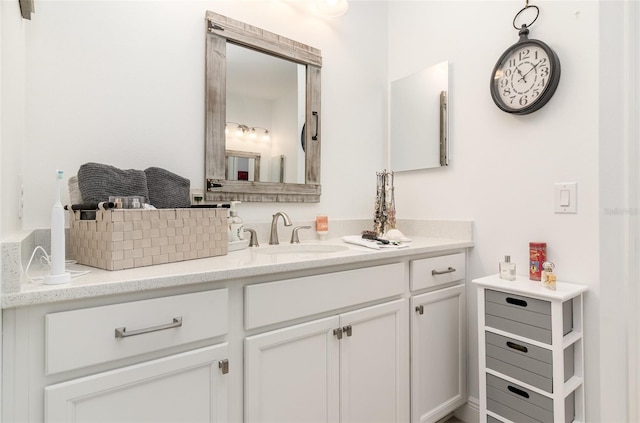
x=273 y=240
x=295 y=239
x=253 y=240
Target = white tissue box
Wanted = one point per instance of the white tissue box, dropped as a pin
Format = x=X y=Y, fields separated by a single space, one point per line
x=125 y=238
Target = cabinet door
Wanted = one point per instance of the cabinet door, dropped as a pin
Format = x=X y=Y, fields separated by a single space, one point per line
x=438 y=366
x=291 y=374
x=188 y=387
x=374 y=368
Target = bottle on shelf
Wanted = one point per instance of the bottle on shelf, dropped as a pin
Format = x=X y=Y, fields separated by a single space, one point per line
x=507 y=269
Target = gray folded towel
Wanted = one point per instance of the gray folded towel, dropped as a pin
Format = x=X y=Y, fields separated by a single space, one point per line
x=99 y=181
x=74 y=190
x=167 y=190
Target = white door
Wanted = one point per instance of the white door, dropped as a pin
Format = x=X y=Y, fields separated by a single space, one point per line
x=186 y=387
x=291 y=374
x=438 y=365
x=374 y=355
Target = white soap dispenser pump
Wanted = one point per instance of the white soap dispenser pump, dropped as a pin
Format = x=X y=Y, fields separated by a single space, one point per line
x=58 y=274
x=236 y=228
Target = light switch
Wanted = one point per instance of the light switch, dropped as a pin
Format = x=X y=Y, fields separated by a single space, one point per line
x=565 y=200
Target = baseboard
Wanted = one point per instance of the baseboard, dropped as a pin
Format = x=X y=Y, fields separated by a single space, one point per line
x=470 y=412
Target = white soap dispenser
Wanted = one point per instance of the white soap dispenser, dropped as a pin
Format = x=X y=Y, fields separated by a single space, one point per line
x=236 y=228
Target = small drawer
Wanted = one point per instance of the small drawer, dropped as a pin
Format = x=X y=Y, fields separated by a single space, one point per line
x=528 y=317
x=434 y=271
x=518 y=303
x=280 y=301
x=91 y=336
x=519 y=404
x=525 y=362
x=520 y=360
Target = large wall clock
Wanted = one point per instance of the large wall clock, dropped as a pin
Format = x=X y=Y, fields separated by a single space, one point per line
x=526 y=75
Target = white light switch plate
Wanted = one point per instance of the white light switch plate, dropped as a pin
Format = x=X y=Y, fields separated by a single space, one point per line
x=565 y=197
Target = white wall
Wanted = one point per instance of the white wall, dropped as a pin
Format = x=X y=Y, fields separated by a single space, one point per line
x=122 y=83
x=633 y=287
x=503 y=167
x=12 y=107
x=1 y=190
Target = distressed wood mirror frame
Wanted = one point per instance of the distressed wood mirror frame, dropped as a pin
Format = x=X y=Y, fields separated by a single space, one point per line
x=220 y=31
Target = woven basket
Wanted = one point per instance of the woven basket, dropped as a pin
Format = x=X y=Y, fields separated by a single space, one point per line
x=124 y=238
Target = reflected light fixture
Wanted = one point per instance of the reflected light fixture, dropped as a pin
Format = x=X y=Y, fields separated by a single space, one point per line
x=251 y=131
x=332 y=7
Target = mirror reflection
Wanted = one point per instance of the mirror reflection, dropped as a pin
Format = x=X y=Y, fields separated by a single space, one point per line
x=419 y=119
x=266 y=112
x=242 y=166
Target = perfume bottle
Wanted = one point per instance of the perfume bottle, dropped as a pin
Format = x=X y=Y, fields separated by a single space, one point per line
x=507 y=269
x=548 y=277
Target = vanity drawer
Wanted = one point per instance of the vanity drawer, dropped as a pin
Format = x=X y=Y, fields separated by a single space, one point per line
x=434 y=271
x=519 y=404
x=86 y=337
x=281 y=301
x=524 y=316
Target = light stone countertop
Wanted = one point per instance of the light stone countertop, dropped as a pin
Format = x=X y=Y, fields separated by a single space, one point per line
x=236 y=264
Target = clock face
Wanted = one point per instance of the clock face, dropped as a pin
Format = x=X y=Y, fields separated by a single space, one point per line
x=525 y=77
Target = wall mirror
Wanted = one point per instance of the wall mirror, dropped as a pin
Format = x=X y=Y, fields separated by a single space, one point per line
x=262 y=92
x=419 y=119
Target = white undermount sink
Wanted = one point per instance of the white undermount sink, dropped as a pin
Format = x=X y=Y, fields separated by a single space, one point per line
x=301 y=249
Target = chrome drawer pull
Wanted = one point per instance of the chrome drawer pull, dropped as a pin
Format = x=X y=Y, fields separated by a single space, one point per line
x=223 y=365
x=122 y=332
x=337 y=333
x=348 y=330
x=442 y=272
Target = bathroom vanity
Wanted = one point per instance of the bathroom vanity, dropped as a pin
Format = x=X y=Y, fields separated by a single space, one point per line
x=263 y=334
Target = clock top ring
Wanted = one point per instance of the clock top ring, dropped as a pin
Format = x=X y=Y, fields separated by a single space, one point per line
x=522 y=10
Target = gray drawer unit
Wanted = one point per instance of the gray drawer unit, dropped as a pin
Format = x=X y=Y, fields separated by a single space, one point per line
x=491 y=419
x=528 y=317
x=518 y=404
x=523 y=361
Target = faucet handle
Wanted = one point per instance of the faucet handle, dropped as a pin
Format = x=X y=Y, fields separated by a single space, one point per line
x=253 y=240
x=294 y=234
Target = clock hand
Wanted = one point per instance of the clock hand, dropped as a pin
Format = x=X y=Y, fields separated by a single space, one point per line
x=521 y=75
x=534 y=66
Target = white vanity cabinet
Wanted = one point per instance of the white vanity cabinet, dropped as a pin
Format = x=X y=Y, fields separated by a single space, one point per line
x=348 y=367
x=370 y=340
x=345 y=368
x=438 y=337
x=161 y=359
x=187 y=387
